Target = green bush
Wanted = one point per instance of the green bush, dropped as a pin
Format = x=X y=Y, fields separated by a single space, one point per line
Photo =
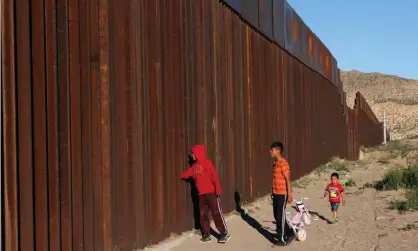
x=350 y=183
x=410 y=177
x=411 y=226
x=412 y=199
x=369 y=185
x=411 y=203
x=399 y=178
x=398 y=205
x=393 y=180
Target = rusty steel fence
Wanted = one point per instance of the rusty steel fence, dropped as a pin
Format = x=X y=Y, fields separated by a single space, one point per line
x=102 y=99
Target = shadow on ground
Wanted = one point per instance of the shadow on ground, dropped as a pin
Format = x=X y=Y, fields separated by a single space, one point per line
x=320 y=216
x=251 y=221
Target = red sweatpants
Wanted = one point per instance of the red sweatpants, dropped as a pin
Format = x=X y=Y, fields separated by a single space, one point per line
x=210 y=202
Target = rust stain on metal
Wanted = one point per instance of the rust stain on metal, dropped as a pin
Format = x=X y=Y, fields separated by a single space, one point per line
x=9 y=133
x=39 y=126
x=24 y=126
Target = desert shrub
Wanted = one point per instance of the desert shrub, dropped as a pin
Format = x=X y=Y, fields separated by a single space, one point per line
x=392 y=180
x=411 y=203
x=410 y=177
x=369 y=185
x=350 y=183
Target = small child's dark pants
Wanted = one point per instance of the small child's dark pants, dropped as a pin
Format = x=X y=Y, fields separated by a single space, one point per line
x=334 y=206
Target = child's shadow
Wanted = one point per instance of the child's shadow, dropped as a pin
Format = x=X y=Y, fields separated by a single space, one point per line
x=194 y=194
x=251 y=221
x=320 y=216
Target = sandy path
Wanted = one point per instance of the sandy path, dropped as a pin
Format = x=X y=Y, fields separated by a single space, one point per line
x=366 y=223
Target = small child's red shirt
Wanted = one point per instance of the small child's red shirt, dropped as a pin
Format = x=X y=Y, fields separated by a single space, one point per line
x=334 y=192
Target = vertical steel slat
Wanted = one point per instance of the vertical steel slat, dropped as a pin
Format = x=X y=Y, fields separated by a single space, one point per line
x=75 y=125
x=64 y=124
x=96 y=125
x=24 y=125
x=39 y=121
x=86 y=126
x=105 y=127
x=51 y=60
x=155 y=120
x=9 y=128
x=146 y=118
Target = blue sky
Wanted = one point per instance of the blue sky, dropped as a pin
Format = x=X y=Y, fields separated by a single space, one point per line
x=368 y=35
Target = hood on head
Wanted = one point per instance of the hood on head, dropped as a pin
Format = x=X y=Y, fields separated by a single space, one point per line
x=199 y=151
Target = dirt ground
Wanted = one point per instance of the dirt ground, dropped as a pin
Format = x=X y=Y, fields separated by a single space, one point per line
x=366 y=222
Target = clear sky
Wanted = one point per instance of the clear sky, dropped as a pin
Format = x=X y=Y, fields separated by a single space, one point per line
x=368 y=35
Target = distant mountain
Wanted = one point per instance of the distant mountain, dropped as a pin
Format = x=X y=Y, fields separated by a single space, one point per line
x=397 y=95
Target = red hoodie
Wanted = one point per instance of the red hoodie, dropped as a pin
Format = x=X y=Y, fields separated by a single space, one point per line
x=203 y=172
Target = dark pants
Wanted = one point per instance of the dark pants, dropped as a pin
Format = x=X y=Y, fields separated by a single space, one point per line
x=279 y=211
x=334 y=206
x=210 y=202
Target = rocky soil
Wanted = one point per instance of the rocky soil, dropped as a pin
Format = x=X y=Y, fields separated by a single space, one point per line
x=395 y=95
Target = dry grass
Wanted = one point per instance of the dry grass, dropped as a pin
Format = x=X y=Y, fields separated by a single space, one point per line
x=350 y=183
x=334 y=165
x=302 y=182
x=410 y=226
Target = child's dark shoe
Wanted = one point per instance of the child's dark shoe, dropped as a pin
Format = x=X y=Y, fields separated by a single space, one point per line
x=205 y=239
x=224 y=238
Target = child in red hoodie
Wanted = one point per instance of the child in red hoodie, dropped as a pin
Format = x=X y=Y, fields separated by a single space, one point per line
x=207 y=183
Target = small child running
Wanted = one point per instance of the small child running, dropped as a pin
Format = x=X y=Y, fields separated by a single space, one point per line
x=335 y=192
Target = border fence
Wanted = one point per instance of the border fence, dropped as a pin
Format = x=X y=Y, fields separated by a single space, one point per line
x=102 y=99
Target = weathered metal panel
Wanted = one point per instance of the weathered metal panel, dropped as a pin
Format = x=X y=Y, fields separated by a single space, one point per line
x=305 y=46
x=24 y=127
x=318 y=48
x=155 y=99
x=334 y=72
x=52 y=126
x=249 y=12
x=75 y=129
x=122 y=114
x=86 y=91
x=310 y=47
x=279 y=22
x=328 y=58
x=39 y=126
x=321 y=52
x=234 y=4
x=96 y=139
x=265 y=16
x=9 y=126
x=105 y=119
x=64 y=118
x=297 y=36
x=289 y=17
x=136 y=42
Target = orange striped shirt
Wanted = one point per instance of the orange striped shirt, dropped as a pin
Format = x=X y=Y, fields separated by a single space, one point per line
x=280 y=168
